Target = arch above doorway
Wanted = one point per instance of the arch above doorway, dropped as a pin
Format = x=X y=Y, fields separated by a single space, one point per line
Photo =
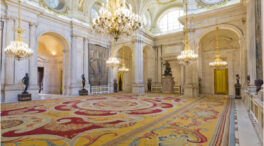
x=53 y=59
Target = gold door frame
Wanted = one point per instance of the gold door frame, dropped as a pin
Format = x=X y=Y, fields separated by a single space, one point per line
x=221 y=81
x=120 y=75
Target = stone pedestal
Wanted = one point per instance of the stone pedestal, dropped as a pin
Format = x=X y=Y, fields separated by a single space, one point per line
x=83 y=92
x=167 y=84
x=24 y=97
x=252 y=89
x=238 y=91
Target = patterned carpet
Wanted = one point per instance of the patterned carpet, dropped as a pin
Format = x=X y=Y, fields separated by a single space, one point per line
x=164 y=120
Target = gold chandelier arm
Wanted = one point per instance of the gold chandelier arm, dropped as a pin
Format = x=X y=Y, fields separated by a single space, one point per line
x=186 y=27
x=123 y=55
x=19 y=29
x=217 y=42
x=112 y=49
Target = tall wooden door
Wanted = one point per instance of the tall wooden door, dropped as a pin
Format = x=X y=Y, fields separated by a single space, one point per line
x=120 y=81
x=221 y=81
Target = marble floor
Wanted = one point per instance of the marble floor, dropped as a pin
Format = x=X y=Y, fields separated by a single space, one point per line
x=246 y=133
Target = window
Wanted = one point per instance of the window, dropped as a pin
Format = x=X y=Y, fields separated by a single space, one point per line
x=169 y=21
x=94 y=14
x=53 y=3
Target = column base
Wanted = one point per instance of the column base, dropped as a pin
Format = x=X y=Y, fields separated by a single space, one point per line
x=138 y=89
x=190 y=91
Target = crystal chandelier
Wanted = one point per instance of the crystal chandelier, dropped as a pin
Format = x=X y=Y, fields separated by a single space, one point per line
x=116 y=20
x=123 y=68
x=18 y=49
x=112 y=61
x=218 y=62
x=187 y=55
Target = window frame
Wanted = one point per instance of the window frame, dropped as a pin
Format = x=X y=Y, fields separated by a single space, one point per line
x=163 y=14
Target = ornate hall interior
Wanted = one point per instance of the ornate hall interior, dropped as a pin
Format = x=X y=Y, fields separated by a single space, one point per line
x=132 y=72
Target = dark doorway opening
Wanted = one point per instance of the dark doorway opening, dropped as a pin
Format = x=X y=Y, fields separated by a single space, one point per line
x=40 y=78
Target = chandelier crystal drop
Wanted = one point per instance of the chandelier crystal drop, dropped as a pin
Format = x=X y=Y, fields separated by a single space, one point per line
x=116 y=20
x=187 y=56
x=18 y=49
x=123 y=68
x=112 y=62
x=218 y=62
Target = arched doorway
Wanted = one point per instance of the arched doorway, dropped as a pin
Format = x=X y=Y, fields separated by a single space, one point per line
x=219 y=80
x=125 y=78
x=51 y=63
x=148 y=65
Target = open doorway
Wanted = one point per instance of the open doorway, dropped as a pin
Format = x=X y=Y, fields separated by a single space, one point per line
x=50 y=64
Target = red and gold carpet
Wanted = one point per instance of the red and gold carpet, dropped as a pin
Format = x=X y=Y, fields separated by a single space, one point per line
x=117 y=120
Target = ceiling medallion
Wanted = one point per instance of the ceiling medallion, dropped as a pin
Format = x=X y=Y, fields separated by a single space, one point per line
x=211 y=3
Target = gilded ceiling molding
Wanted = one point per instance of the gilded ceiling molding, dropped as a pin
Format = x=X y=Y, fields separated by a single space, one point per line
x=56 y=12
x=165 y=2
x=203 y=4
x=80 y=5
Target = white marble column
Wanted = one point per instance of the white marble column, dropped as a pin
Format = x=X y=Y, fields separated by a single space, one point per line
x=33 y=59
x=1 y=58
x=189 y=88
x=76 y=64
x=182 y=77
x=86 y=63
x=159 y=65
x=33 y=67
x=251 y=46
x=191 y=73
x=8 y=63
x=262 y=20
x=138 y=86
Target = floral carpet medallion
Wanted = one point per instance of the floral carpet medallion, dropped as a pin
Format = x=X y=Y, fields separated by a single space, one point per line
x=116 y=120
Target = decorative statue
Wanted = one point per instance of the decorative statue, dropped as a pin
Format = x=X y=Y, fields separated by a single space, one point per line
x=25 y=96
x=238 y=87
x=237 y=78
x=248 y=80
x=258 y=84
x=83 y=91
x=167 y=69
x=200 y=85
x=83 y=80
x=25 y=81
x=120 y=84
x=149 y=85
x=115 y=86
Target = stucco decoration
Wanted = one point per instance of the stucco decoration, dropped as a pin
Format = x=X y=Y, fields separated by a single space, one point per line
x=55 y=6
x=211 y=3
